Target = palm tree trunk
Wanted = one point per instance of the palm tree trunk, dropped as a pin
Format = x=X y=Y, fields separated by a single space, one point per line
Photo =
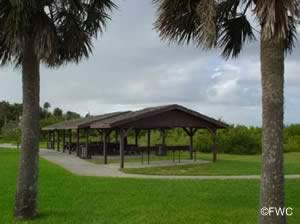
x=26 y=194
x=272 y=176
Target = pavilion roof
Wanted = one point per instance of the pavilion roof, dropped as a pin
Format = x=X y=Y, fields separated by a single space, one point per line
x=139 y=115
x=128 y=118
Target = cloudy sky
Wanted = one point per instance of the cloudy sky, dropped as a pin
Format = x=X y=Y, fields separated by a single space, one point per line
x=131 y=68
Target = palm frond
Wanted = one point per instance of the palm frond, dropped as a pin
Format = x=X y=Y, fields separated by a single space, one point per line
x=228 y=8
x=231 y=8
x=234 y=33
x=45 y=38
x=206 y=23
x=291 y=36
x=62 y=30
x=189 y=21
x=97 y=16
x=177 y=20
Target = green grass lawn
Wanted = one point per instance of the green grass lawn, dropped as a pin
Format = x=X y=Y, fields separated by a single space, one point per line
x=226 y=165
x=66 y=198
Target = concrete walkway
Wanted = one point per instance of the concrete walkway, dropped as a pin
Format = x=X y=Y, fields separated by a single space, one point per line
x=8 y=146
x=84 y=168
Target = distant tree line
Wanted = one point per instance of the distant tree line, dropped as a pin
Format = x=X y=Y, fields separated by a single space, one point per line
x=11 y=115
x=237 y=139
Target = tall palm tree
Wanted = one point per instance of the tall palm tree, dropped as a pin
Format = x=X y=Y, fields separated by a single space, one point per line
x=224 y=24
x=51 y=32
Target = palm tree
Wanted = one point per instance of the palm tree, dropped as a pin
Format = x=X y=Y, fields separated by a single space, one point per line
x=52 y=32
x=46 y=107
x=224 y=24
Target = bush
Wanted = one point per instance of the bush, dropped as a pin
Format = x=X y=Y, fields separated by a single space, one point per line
x=234 y=140
x=203 y=141
x=293 y=144
x=11 y=133
x=240 y=140
x=292 y=130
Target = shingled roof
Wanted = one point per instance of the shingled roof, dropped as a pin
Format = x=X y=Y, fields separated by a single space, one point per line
x=121 y=119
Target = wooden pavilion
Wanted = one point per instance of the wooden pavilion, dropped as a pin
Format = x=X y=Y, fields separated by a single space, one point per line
x=155 y=118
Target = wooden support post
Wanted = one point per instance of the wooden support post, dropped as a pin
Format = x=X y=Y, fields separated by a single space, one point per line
x=161 y=150
x=87 y=136
x=64 y=141
x=190 y=132
x=70 y=141
x=53 y=140
x=108 y=138
x=123 y=133
x=122 y=136
x=100 y=140
x=48 y=140
x=78 y=142
x=149 y=144
x=137 y=144
x=104 y=140
x=58 y=141
x=214 y=145
x=191 y=147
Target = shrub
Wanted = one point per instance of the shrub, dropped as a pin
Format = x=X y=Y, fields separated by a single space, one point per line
x=293 y=144
x=11 y=133
x=240 y=140
x=203 y=141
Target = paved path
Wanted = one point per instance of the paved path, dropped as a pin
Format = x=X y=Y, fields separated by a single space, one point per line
x=8 y=146
x=81 y=167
